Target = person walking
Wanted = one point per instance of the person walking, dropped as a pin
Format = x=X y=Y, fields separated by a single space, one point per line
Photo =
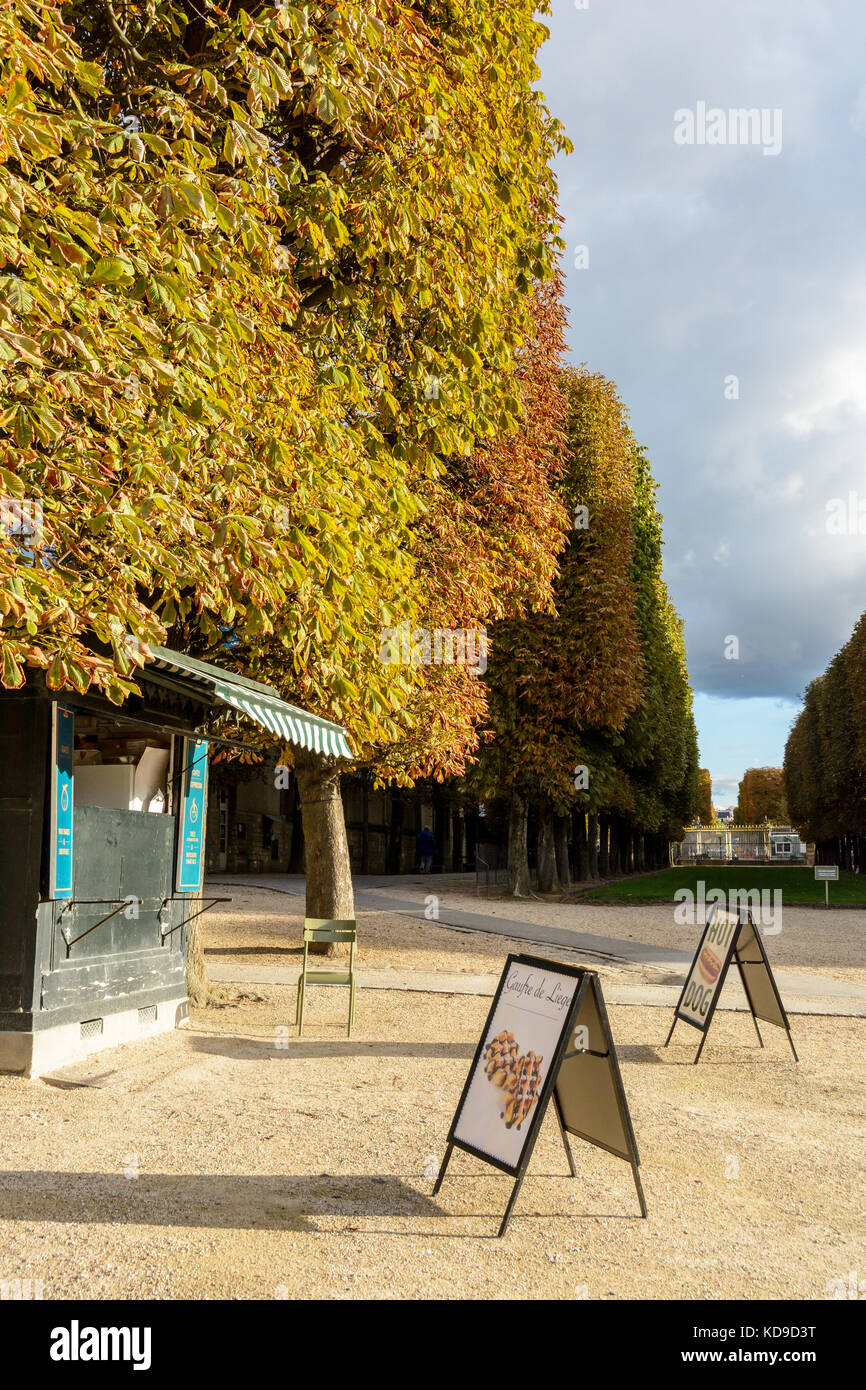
x=425 y=846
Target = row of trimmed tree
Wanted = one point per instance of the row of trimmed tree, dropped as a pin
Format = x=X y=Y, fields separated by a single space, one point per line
x=825 y=759
x=590 y=704
x=282 y=334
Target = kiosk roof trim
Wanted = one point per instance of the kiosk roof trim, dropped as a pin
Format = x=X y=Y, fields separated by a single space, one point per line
x=258 y=702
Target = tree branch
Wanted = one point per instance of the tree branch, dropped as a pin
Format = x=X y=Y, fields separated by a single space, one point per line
x=121 y=37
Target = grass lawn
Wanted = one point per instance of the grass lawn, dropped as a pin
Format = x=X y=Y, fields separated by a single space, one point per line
x=798 y=884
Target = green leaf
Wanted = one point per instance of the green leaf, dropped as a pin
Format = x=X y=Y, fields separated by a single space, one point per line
x=13 y=674
x=111 y=270
x=325 y=105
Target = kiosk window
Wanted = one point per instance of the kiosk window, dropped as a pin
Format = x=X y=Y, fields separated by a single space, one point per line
x=119 y=766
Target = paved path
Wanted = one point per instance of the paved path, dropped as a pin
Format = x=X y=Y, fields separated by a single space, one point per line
x=818 y=994
x=644 y=994
x=371 y=897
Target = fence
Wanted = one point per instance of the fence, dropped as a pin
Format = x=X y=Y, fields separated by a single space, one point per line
x=491 y=870
x=740 y=843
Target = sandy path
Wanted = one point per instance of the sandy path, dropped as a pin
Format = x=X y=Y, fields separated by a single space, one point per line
x=265 y=927
x=303 y=1169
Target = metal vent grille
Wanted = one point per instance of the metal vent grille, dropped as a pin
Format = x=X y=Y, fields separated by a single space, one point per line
x=147 y=1014
x=92 y=1028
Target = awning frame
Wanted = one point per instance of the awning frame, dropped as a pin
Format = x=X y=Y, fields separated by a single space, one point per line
x=258 y=702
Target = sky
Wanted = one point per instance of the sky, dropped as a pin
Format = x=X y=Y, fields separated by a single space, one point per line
x=722 y=286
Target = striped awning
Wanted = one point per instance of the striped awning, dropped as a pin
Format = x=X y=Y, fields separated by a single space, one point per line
x=258 y=702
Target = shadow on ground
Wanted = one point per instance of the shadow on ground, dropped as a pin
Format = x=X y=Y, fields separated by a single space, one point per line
x=277 y=950
x=253 y=1049
x=273 y=1202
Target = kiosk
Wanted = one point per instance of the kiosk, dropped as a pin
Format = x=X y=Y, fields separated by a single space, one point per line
x=102 y=833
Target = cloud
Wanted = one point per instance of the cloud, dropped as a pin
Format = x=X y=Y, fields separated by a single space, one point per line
x=709 y=263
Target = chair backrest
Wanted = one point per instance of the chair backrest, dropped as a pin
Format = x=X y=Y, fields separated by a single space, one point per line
x=323 y=929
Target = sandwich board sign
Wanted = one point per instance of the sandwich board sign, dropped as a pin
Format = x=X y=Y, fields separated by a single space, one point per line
x=547 y=1037
x=728 y=937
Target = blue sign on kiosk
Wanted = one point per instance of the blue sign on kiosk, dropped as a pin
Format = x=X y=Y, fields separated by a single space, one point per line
x=62 y=803
x=190 y=866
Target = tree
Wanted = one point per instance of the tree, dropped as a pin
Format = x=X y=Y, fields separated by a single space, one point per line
x=706 y=810
x=555 y=676
x=761 y=797
x=825 y=758
x=269 y=276
x=655 y=784
x=591 y=706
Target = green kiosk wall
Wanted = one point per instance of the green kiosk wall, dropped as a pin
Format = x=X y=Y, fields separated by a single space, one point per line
x=120 y=978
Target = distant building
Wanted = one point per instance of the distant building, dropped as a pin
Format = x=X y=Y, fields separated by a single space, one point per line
x=733 y=844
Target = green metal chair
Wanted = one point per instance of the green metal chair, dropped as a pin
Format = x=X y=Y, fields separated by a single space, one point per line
x=321 y=929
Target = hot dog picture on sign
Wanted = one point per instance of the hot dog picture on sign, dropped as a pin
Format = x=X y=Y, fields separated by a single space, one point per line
x=729 y=938
x=705 y=978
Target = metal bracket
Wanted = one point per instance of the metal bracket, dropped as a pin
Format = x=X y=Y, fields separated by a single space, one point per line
x=166 y=930
x=76 y=902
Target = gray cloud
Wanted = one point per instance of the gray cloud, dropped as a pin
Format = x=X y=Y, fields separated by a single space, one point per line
x=718 y=260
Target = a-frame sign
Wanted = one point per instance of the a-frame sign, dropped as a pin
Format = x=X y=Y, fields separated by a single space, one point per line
x=729 y=938
x=547 y=1036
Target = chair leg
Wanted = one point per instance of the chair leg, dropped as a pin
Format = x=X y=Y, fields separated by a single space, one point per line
x=301 y=1008
x=351 y=1006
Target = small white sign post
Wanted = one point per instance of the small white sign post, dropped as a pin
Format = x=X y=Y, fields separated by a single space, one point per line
x=826 y=873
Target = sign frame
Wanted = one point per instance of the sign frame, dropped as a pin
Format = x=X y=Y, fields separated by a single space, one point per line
x=826 y=874
x=192 y=815
x=732 y=953
x=587 y=980
x=62 y=818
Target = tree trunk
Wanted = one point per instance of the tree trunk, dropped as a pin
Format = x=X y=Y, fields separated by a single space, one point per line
x=548 y=879
x=560 y=840
x=581 y=848
x=613 y=854
x=329 y=874
x=630 y=851
x=457 y=841
x=592 y=844
x=394 y=849
x=197 y=983
x=296 y=855
x=518 y=852
x=604 y=845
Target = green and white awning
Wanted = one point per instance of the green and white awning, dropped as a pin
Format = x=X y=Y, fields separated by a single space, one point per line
x=258 y=702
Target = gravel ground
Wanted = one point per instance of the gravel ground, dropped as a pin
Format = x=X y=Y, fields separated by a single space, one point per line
x=269 y=1167
x=261 y=926
x=232 y=1160
x=812 y=939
